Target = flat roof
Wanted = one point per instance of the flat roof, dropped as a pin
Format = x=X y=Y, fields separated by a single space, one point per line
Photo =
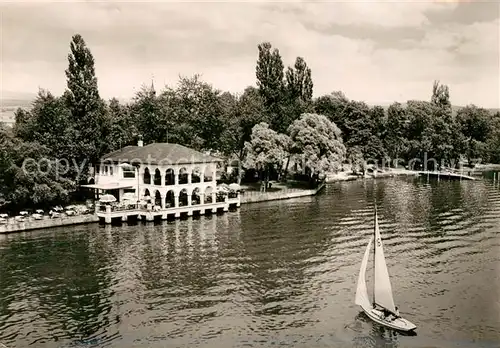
x=110 y=186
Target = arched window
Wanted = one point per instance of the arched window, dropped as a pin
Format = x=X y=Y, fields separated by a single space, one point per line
x=147 y=177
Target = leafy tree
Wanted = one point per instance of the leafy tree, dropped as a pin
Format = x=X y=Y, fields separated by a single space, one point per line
x=123 y=129
x=249 y=127
x=361 y=126
x=446 y=138
x=228 y=103
x=266 y=150
x=27 y=174
x=241 y=115
x=49 y=124
x=420 y=129
x=440 y=95
x=298 y=93
x=431 y=134
x=332 y=106
x=475 y=124
x=378 y=117
x=6 y=136
x=190 y=114
x=376 y=121
x=360 y=130
x=299 y=84
x=24 y=125
x=396 y=139
x=493 y=141
x=356 y=159
x=199 y=105
x=269 y=73
x=318 y=141
x=148 y=111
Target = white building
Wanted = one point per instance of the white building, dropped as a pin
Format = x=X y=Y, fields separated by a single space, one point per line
x=172 y=175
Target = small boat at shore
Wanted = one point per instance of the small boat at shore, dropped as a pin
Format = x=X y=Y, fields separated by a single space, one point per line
x=382 y=309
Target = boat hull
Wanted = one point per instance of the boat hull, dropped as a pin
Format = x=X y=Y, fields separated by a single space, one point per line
x=399 y=324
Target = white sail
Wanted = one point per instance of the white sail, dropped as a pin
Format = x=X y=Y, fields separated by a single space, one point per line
x=361 y=291
x=382 y=287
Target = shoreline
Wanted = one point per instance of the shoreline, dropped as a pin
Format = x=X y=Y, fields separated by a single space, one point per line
x=258 y=197
x=487 y=167
x=344 y=176
x=47 y=223
x=245 y=198
x=93 y=218
x=393 y=172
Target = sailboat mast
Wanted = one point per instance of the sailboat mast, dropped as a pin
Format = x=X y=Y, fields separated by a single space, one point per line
x=374 y=251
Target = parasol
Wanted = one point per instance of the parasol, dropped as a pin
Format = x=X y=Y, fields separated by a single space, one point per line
x=107 y=198
x=235 y=187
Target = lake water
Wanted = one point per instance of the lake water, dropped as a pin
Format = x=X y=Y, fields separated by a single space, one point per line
x=271 y=274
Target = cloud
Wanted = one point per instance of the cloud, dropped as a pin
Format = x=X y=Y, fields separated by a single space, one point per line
x=378 y=52
x=388 y=14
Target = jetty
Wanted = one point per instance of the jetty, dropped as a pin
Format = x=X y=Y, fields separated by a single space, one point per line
x=257 y=197
x=448 y=175
x=393 y=172
x=108 y=213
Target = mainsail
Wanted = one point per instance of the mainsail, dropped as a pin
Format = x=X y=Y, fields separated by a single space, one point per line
x=382 y=287
x=361 y=291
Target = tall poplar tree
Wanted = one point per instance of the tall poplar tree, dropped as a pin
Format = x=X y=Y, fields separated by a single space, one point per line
x=270 y=81
x=440 y=95
x=88 y=113
x=298 y=91
x=299 y=83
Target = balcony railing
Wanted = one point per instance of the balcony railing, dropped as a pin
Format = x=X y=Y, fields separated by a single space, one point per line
x=102 y=208
x=116 y=208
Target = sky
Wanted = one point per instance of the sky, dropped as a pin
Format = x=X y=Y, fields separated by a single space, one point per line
x=377 y=51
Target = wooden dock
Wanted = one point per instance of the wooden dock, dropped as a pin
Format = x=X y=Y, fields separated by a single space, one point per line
x=108 y=213
x=446 y=175
x=256 y=196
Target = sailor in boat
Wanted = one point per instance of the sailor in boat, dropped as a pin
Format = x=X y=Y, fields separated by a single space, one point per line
x=386 y=315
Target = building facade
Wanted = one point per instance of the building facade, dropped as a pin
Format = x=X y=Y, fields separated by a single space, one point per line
x=169 y=175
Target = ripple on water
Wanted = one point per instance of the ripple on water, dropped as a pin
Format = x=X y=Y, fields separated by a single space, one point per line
x=272 y=274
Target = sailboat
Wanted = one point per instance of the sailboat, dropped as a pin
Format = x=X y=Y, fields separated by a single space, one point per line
x=382 y=310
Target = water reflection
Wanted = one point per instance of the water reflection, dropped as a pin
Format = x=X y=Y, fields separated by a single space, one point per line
x=377 y=335
x=65 y=281
x=272 y=273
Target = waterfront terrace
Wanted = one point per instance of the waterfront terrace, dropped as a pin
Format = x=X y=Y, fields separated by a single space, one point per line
x=158 y=179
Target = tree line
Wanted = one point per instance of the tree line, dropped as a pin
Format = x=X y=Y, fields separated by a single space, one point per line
x=262 y=127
